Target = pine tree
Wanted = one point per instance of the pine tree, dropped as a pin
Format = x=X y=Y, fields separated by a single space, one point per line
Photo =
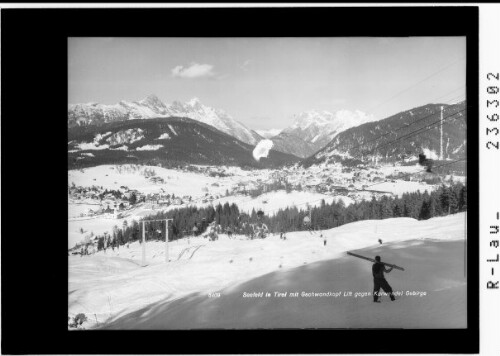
x=374 y=211
x=396 y=211
x=453 y=208
x=462 y=201
x=385 y=207
x=425 y=211
x=444 y=199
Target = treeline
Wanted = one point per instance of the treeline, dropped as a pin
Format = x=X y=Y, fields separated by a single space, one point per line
x=194 y=221
x=184 y=222
x=443 y=201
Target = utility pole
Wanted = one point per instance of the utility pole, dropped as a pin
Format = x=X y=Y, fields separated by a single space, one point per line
x=166 y=239
x=441 y=137
x=143 y=244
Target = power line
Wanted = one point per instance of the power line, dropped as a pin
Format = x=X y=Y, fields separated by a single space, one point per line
x=416 y=132
x=443 y=96
x=401 y=128
x=419 y=82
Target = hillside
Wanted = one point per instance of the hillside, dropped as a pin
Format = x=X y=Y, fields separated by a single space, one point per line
x=152 y=107
x=402 y=136
x=293 y=144
x=175 y=296
x=167 y=141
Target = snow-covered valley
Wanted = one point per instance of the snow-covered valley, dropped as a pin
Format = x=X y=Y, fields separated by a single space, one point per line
x=210 y=185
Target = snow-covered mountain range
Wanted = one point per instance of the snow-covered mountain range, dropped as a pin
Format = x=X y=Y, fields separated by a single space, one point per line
x=165 y=140
x=312 y=130
x=404 y=135
x=153 y=107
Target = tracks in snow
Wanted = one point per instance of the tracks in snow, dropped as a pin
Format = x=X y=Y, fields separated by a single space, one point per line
x=187 y=250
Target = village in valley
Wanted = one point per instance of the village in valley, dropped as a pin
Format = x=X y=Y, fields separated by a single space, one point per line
x=153 y=189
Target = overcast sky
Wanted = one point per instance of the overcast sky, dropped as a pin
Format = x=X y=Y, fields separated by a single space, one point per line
x=263 y=82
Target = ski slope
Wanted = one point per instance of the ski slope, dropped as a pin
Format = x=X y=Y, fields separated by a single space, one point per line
x=117 y=293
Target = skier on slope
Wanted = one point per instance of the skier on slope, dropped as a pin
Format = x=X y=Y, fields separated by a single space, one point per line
x=379 y=280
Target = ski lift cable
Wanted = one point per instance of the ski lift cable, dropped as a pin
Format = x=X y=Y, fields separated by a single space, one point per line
x=457 y=89
x=420 y=130
x=415 y=132
x=404 y=127
x=417 y=83
x=408 y=135
x=401 y=128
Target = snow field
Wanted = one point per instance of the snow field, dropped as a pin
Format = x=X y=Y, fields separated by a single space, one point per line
x=430 y=294
x=177 y=182
x=110 y=285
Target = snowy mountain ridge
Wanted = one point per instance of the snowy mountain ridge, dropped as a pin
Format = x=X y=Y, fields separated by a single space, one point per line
x=390 y=139
x=312 y=130
x=164 y=139
x=312 y=125
x=152 y=107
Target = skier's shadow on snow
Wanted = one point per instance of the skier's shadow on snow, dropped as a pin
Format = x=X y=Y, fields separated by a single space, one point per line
x=443 y=261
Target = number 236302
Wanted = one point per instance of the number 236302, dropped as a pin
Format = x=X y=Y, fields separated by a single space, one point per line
x=492 y=114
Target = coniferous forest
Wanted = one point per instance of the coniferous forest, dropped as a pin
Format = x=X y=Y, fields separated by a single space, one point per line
x=194 y=221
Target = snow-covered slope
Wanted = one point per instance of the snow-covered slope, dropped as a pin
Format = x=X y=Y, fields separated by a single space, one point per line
x=115 y=290
x=317 y=128
x=402 y=136
x=153 y=107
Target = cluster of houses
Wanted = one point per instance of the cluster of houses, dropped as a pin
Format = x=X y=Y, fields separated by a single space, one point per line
x=109 y=210
x=216 y=172
x=158 y=200
x=110 y=205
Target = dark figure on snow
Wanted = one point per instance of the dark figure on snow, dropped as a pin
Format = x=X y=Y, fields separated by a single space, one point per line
x=379 y=280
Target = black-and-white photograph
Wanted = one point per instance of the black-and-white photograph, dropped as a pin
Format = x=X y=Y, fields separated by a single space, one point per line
x=267 y=183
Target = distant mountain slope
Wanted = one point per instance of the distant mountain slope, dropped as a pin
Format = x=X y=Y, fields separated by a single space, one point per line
x=162 y=140
x=404 y=135
x=292 y=144
x=153 y=107
x=312 y=130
